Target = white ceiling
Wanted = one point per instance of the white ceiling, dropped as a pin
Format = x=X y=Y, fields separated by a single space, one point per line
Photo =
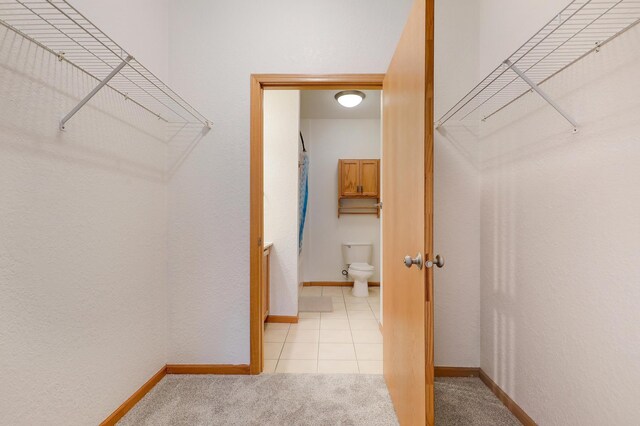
x=322 y=104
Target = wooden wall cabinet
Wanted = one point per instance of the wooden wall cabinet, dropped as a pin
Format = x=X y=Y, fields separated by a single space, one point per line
x=359 y=179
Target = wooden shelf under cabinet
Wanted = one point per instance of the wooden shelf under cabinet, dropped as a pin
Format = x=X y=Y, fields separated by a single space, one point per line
x=359 y=179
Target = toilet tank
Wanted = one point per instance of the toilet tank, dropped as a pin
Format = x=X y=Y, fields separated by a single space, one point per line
x=357 y=253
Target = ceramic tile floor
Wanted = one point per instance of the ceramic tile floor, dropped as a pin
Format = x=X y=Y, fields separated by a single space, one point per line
x=347 y=340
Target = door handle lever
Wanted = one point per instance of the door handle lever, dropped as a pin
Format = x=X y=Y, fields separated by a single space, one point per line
x=410 y=261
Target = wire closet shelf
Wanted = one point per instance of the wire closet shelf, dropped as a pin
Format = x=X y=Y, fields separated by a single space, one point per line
x=59 y=28
x=583 y=27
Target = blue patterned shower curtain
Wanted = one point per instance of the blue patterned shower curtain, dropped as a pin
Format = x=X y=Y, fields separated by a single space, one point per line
x=303 y=196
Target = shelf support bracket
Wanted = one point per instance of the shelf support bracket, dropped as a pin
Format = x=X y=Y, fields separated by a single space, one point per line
x=542 y=93
x=91 y=94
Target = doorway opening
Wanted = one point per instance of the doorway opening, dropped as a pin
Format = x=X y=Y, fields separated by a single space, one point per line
x=261 y=301
x=322 y=231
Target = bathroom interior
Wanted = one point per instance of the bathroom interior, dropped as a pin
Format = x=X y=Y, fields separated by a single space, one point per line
x=322 y=228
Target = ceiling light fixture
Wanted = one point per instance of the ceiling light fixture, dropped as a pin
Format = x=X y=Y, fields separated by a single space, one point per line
x=350 y=98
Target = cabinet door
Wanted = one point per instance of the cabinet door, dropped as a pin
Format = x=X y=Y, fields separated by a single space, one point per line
x=369 y=182
x=349 y=174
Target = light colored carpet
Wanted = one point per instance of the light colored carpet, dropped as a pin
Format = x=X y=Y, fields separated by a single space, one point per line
x=315 y=304
x=467 y=401
x=306 y=399
x=268 y=399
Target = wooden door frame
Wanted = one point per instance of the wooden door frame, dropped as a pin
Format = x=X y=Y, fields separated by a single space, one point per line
x=429 y=153
x=260 y=83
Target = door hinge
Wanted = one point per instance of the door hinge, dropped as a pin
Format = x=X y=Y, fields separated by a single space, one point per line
x=259 y=241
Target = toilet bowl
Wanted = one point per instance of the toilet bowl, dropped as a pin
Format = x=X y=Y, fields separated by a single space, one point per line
x=357 y=257
x=360 y=273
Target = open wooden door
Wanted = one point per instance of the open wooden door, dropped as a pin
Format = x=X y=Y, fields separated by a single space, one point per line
x=407 y=156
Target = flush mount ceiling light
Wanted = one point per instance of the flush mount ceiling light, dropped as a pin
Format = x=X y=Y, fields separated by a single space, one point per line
x=350 y=98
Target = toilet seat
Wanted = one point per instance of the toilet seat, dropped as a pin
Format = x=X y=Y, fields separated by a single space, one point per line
x=364 y=267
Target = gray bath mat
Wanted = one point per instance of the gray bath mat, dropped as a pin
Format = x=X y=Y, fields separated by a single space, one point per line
x=315 y=304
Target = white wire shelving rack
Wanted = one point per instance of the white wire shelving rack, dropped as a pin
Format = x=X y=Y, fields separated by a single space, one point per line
x=58 y=27
x=581 y=28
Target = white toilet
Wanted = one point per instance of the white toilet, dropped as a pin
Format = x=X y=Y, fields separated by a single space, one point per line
x=357 y=256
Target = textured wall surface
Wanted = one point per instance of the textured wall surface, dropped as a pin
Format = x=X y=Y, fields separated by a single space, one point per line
x=214 y=47
x=82 y=244
x=281 y=140
x=505 y=25
x=142 y=30
x=456 y=192
x=327 y=141
x=561 y=243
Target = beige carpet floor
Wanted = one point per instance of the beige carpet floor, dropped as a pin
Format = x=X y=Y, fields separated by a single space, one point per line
x=304 y=399
x=268 y=399
x=467 y=401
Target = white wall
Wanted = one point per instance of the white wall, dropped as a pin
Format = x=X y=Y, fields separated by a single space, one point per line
x=209 y=201
x=214 y=47
x=281 y=140
x=82 y=244
x=457 y=192
x=506 y=25
x=328 y=140
x=561 y=237
x=141 y=27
